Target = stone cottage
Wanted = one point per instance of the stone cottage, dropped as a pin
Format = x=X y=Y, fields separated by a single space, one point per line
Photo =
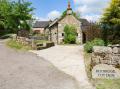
x=55 y=29
x=40 y=26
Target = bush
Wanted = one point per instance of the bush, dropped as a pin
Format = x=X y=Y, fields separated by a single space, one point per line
x=70 y=34
x=111 y=34
x=71 y=39
x=96 y=42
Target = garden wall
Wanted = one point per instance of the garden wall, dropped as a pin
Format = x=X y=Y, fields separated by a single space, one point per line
x=106 y=55
x=33 y=44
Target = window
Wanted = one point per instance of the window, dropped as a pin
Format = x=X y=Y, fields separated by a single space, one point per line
x=62 y=34
x=77 y=34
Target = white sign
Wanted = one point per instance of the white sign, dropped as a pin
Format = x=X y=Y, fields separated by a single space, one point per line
x=104 y=71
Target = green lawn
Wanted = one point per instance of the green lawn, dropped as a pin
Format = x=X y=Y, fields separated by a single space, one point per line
x=17 y=45
x=100 y=83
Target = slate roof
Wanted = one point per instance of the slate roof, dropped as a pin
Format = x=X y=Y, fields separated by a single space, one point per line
x=54 y=22
x=41 y=24
x=44 y=24
x=84 y=22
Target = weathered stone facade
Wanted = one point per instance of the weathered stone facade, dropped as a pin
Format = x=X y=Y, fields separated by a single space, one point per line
x=54 y=34
x=106 y=55
x=57 y=30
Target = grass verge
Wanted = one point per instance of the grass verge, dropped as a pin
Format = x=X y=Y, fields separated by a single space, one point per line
x=18 y=46
x=87 y=57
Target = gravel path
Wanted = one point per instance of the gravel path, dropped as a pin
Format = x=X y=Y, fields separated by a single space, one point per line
x=70 y=60
x=23 y=70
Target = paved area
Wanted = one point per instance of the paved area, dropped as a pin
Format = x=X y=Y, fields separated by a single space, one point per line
x=23 y=70
x=70 y=60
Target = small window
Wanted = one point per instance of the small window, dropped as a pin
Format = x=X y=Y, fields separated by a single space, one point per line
x=62 y=34
x=77 y=34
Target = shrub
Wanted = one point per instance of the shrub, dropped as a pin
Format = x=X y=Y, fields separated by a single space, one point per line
x=96 y=42
x=71 y=39
x=111 y=34
x=70 y=34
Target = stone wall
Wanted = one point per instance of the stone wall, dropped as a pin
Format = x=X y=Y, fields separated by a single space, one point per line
x=54 y=34
x=106 y=55
x=23 y=40
x=33 y=44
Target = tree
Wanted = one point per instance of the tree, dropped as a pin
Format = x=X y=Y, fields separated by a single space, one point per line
x=77 y=15
x=70 y=34
x=21 y=13
x=15 y=15
x=111 y=14
x=111 y=22
x=4 y=13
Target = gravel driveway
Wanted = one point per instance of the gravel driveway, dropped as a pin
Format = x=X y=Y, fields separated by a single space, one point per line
x=70 y=60
x=23 y=70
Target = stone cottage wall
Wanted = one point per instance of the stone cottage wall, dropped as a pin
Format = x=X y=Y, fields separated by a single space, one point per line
x=70 y=20
x=106 y=55
x=54 y=33
x=57 y=31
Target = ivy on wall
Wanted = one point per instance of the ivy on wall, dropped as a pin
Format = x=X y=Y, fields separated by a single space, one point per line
x=70 y=34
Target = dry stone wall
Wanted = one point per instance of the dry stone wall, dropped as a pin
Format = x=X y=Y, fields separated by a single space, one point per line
x=33 y=44
x=109 y=55
x=23 y=40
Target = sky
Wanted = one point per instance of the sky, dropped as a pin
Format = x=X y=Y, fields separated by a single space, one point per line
x=51 y=9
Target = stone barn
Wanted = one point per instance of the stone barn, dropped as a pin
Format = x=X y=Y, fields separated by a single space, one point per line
x=55 y=30
x=40 y=26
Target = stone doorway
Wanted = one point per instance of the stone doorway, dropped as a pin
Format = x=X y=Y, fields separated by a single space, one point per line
x=84 y=37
